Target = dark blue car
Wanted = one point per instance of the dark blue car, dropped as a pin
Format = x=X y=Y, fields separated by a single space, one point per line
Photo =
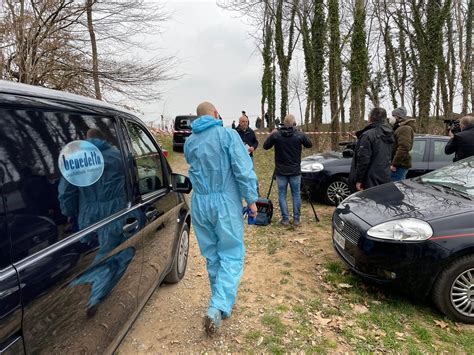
x=417 y=234
x=92 y=220
x=325 y=175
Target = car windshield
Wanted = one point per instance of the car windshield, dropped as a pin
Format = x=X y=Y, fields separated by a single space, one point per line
x=457 y=177
x=184 y=122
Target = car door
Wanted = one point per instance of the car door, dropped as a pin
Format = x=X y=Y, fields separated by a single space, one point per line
x=158 y=202
x=73 y=237
x=438 y=158
x=419 y=157
x=11 y=341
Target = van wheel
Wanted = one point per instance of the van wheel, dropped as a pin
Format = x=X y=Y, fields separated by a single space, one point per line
x=181 y=258
x=336 y=191
x=453 y=292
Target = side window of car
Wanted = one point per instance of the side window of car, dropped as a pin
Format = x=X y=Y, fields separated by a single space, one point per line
x=56 y=164
x=147 y=159
x=439 y=155
x=418 y=151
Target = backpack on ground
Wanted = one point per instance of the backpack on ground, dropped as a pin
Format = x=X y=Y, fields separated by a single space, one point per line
x=265 y=208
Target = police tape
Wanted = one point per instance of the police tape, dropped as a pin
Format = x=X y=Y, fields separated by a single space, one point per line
x=169 y=133
x=313 y=133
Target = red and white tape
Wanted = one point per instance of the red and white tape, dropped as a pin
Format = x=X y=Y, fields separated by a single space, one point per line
x=168 y=133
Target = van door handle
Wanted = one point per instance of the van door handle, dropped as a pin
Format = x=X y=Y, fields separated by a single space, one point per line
x=151 y=213
x=131 y=227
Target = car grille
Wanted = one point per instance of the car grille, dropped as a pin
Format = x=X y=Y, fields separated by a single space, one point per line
x=347 y=230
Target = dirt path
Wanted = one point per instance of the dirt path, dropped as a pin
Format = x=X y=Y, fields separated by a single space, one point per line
x=283 y=274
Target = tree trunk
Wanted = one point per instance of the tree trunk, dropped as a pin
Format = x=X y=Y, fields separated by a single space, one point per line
x=427 y=39
x=358 y=66
x=95 y=59
x=334 y=69
x=467 y=79
x=284 y=60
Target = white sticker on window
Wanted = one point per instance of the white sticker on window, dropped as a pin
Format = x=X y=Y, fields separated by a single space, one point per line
x=81 y=163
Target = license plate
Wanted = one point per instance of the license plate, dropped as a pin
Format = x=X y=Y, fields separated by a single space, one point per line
x=339 y=239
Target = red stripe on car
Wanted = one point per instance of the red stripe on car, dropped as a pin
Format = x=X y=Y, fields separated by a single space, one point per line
x=453 y=236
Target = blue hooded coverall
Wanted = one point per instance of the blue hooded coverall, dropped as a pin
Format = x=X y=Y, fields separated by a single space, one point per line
x=222 y=173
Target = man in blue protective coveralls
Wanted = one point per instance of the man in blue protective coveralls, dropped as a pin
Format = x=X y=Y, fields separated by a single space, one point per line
x=222 y=174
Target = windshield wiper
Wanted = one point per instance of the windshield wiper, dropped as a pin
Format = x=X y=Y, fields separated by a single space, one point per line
x=449 y=189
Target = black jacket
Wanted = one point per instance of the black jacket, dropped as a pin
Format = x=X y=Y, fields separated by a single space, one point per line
x=462 y=144
x=371 y=161
x=248 y=137
x=288 y=144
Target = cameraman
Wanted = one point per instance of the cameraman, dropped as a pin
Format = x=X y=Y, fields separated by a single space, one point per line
x=288 y=144
x=462 y=143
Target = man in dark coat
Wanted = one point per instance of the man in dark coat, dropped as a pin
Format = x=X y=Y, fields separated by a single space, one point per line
x=462 y=143
x=373 y=152
x=247 y=135
x=288 y=144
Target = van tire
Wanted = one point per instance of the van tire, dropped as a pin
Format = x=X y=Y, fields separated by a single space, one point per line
x=181 y=257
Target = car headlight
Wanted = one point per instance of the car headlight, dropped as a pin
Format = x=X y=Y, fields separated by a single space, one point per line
x=408 y=229
x=312 y=168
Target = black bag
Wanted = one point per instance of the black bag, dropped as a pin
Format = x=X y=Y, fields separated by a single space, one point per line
x=265 y=208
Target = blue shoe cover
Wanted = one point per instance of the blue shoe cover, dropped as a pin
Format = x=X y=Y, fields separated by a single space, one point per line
x=212 y=321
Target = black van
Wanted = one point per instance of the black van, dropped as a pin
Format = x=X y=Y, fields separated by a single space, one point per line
x=182 y=130
x=92 y=220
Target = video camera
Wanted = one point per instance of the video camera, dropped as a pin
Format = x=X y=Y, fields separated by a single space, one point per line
x=453 y=125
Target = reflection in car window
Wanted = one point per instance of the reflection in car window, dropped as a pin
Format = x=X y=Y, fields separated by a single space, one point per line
x=418 y=151
x=439 y=155
x=458 y=176
x=147 y=159
x=30 y=145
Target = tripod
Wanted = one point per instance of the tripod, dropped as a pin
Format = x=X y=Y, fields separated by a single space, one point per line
x=308 y=193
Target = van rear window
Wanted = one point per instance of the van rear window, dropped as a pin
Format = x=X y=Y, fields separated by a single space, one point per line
x=184 y=123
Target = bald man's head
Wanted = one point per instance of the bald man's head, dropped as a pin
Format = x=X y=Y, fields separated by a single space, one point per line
x=289 y=120
x=206 y=109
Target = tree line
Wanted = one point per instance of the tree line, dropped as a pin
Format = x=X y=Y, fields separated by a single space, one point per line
x=416 y=53
x=88 y=47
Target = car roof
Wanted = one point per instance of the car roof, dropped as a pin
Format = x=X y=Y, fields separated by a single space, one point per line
x=10 y=87
x=431 y=136
x=185 y=116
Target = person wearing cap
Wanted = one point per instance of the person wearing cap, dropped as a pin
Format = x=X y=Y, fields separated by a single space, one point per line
x=462 y=143
x=404 y=134
x=222 y=175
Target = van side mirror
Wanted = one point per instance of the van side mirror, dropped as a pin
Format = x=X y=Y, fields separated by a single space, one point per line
x=181 y=183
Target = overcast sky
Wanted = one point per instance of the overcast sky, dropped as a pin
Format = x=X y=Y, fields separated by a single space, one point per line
x=217 y=59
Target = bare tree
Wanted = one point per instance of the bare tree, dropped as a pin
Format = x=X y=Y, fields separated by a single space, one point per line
x=58 y=44
x=285 y=30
